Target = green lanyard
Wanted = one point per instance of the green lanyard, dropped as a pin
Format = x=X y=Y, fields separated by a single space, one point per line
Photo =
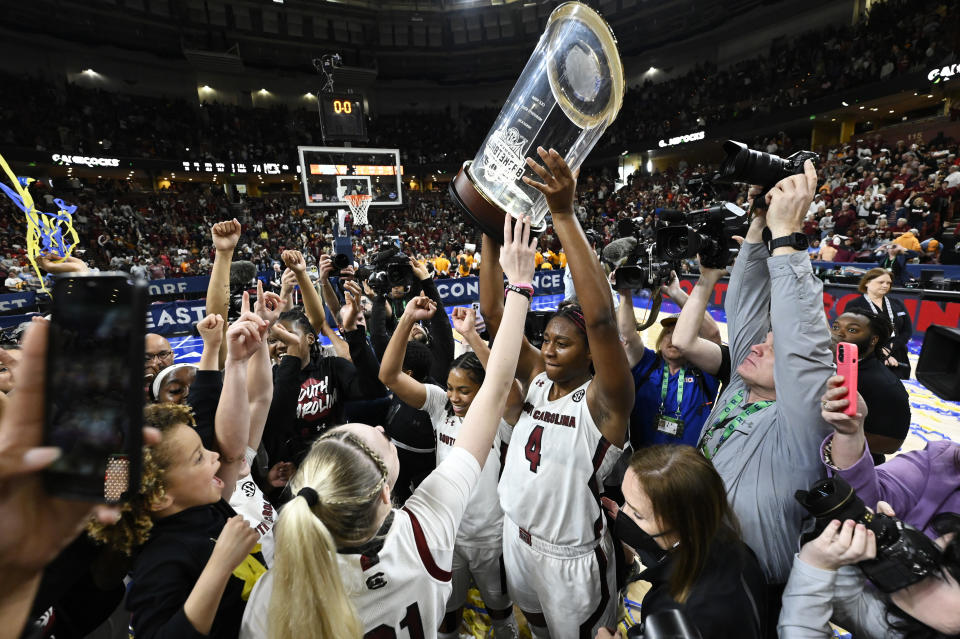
x=732 y=424
x=664 y=381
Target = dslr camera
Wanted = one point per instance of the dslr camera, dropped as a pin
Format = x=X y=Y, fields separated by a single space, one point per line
x=904 y=554
x=678 y=236
x=743 y=164
x=389 y=267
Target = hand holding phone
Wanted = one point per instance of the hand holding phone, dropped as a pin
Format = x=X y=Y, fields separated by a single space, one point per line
x=848 y=361
x=93 y=399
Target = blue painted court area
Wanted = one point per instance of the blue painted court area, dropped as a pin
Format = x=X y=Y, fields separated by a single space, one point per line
x=931 y=417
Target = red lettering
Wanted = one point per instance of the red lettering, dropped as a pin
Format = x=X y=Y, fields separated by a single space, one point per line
x=687 y=286
x=911 y=304
x=827 y=303
x=842 y=303
x=720 y=293
x=532 y=450
x=943 y=314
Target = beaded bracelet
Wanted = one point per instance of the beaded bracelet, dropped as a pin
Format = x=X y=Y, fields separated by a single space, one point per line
x=523 y=289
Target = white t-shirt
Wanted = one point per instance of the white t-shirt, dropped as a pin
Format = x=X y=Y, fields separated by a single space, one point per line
x=482 y=523
x=555 y=467
x=407 y=584
x=249 y=502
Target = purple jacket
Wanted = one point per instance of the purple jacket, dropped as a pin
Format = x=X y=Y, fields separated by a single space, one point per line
x=918 y=485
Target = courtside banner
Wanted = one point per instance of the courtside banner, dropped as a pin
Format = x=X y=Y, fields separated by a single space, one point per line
x=467 y=289
x=11 y=302
x=175 y=285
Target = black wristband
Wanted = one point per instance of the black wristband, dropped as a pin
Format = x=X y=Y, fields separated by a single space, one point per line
x=517 y=289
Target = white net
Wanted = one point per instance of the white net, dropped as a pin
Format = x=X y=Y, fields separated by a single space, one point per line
x=359 y=204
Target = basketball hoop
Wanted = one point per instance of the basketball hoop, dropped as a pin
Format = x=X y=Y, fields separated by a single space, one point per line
x=359 y=203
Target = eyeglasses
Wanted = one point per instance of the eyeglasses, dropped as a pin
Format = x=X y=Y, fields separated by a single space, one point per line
x=149 y=357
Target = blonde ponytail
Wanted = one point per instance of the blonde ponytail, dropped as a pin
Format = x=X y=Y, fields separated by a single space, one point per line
x=309 y=598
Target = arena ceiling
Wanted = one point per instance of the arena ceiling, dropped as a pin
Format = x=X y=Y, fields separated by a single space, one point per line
x=442 y=40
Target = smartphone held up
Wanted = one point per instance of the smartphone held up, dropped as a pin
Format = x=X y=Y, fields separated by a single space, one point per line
x=847 y=365
x=93 y=396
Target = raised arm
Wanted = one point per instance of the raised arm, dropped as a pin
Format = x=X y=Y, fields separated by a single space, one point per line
x=211 y=332
x=687 y=335
x=325 y=267
x=259 y=371
x=441 y=344
x=364 y=383
x=465 y=321
x=491 y=284
x=225 y=238
x=530 y=363
x=748 y=294
x=482 y=419
x=244 y=338
x=312 y=305
x=801 y=340
x=709 y=329
x=406 y=388
x=627 y=327
x=610 y=396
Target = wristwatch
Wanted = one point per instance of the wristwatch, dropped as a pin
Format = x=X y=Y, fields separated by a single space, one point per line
x=797 y=241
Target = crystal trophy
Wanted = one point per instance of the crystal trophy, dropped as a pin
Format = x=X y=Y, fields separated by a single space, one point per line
x=568 y=94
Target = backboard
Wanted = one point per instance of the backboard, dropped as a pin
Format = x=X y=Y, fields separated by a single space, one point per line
x=328 y=173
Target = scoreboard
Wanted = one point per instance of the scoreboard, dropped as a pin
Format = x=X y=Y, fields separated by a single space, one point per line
x=342 y=118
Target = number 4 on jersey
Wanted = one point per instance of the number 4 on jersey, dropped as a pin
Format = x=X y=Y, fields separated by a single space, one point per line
x=533 y=447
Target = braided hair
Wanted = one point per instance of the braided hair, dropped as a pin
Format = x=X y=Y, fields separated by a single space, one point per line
x=344 y=479
x=297 y=318
x=574 y=314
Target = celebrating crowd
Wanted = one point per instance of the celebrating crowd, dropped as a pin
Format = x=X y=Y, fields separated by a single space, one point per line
x=880 y=201
x=593 y=483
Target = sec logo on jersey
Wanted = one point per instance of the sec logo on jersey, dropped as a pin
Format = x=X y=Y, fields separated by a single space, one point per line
x=578 y=395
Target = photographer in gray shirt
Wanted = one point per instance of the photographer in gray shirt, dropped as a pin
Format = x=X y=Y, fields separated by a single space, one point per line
x=764 y=432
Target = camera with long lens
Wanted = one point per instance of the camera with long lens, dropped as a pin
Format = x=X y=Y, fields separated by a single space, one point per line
x=743 y=164
x=389 y=267
x=904 y=554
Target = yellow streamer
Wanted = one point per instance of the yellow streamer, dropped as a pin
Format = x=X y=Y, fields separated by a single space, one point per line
x=41 y=225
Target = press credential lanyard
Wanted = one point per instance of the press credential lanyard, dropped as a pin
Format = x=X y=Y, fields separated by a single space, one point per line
x=731 y=424
x=664 y=381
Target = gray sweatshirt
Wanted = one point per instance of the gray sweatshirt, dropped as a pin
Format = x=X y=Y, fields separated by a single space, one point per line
x=813 y=597
x=774 y=451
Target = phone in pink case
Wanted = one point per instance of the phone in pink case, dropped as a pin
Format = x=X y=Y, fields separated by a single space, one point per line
x=847 y=363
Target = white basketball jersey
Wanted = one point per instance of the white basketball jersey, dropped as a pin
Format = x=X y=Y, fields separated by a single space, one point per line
x=482 y=523
x=402 y=591
x=555 y=466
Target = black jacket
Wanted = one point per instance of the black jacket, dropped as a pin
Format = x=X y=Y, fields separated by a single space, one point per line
x=888 y=403
x=441 y=333
x=902 y=325
x=308 y=402
x=728 y=600
x=167 y=568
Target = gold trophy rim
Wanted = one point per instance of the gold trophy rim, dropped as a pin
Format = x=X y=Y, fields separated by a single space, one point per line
x=608 y=42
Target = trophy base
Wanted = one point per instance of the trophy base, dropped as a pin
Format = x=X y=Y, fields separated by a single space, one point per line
x=487 y=216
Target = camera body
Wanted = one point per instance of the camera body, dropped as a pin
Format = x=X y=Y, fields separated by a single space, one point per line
x=678 y=236
x=904 y=555
x=747 y=166
x=706 y=232
x=389 y=267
